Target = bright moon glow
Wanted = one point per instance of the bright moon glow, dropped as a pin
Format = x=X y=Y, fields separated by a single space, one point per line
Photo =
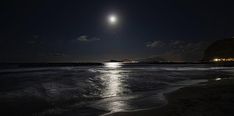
x=112 y=19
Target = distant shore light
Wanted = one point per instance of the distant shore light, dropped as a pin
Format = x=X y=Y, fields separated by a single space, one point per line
x=223 y=60
x=216 y=60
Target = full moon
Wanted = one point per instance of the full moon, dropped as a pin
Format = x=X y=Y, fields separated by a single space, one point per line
x=112 y=19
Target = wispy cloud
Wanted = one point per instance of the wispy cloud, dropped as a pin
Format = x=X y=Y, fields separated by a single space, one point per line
x=154 y=44
x=85 y=38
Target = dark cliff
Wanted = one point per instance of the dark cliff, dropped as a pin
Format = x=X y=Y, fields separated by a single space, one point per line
x=220 y=49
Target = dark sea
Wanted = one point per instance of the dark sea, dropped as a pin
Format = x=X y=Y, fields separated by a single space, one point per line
x=97 y=89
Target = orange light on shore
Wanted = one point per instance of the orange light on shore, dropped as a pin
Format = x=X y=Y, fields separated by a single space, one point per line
x=215 y=59
x=223 y=59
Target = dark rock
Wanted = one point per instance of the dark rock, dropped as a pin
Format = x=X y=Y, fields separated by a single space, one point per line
x=220 y=49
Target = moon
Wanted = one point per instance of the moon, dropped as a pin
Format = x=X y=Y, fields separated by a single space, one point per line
x=112 y=19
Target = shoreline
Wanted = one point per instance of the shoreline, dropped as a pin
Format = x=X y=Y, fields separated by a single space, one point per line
x=212 y=98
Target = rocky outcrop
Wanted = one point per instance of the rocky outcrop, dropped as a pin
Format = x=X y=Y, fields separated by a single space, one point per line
x=220 y=49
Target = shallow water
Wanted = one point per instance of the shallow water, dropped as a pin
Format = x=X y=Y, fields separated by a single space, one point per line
x=96 y=90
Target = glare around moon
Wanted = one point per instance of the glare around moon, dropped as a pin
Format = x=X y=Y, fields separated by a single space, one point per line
x=112 y=19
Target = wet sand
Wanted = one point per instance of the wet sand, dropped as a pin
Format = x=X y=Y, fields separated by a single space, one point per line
x=214 y=98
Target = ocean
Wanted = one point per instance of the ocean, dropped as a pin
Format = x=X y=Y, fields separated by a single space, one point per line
x=92 y=90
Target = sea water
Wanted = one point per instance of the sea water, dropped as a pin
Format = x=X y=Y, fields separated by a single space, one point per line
x=97 y=90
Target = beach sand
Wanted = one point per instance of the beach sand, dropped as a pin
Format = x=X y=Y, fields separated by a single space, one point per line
x=213 y=98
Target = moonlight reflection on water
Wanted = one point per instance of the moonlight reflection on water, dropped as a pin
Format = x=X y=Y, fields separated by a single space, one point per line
x=114 y=86
x=113 y=65
x=112 y=79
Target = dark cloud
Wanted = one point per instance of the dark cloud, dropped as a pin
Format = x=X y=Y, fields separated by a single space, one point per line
x=34 y=40
x=85 y=38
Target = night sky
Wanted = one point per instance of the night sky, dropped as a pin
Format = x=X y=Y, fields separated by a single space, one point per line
x=78 y=30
